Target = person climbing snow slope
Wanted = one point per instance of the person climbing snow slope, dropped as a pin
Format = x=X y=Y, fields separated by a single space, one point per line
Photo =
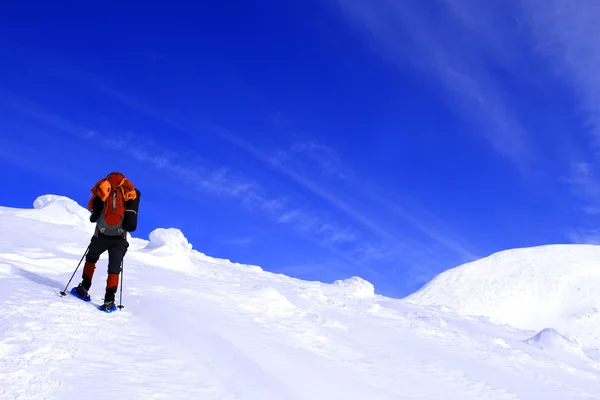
x=114 y=205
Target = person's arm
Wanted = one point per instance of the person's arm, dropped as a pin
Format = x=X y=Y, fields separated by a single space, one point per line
x=98 y=206
x=131 y=213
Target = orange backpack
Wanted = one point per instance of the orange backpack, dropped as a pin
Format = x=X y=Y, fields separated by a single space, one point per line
x=114 y=190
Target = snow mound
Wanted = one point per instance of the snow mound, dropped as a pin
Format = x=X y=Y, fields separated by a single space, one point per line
x=58 y=210
x=530 y=288
x=356 y=287
x=168 y=240
x=549 y=339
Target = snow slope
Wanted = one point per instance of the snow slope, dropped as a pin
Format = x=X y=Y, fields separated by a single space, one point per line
x=195 y=327
x=555 y=286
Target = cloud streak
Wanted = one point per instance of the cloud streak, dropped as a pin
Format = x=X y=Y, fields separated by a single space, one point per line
x=388 y=241
x=369 y=243
x=407 y=34
x=190 y=128
x=220 y=181
x=224 y=183
x=324 y=156
x=567 y=35
x=585 y=185
x=584 y=236
x=333 y=166
x=465 y=44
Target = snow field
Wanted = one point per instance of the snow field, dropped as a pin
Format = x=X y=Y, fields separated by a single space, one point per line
x=195 y=327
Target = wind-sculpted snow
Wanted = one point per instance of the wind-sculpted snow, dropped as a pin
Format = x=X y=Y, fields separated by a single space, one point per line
x=356 y=287
x=550 y=340
x=197 y=327
x=58 y=210
x=535 y=288
x=169 y=248
x=171 y=238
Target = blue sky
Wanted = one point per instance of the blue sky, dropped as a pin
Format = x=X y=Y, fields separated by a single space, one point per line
x=319 y=139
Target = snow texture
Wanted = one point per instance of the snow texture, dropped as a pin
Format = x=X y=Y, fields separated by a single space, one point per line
x=549 y=339
x=197 y=327
x=554 y=286
x=171 y=238
x=57 y=209
x=357 y=287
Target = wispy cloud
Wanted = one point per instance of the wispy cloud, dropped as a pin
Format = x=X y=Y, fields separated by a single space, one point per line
x=308 y=222
x=23 y=156
x=218 y=180
x=325 y=156
x=585 y=185
x=584 y=236
x=223 y=182
x=191 y=127
x=466 y=44
x=333 y=165
x=365 y=243
x=430 y=225
x=565 y=36
x=447 y=48
x=331 y=234
x=566 y=33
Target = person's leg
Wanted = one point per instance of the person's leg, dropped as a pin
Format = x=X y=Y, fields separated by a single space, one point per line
x=116 y=253
x=98 y=246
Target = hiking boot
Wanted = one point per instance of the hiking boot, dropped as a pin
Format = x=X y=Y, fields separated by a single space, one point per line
x=108 y=306
x=82 y=292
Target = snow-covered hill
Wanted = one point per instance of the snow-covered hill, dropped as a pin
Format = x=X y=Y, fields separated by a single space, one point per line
x=555 y=286
x=196 y=327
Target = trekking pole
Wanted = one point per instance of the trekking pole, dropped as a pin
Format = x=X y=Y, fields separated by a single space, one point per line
x=121 y=290
x=64 y=292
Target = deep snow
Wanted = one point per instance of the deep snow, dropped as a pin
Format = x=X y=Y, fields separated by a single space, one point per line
x=196 y=327
x=534 y=288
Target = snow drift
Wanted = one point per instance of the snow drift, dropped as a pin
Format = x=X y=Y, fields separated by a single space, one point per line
x=356 y=287
x=169 y=240
x=554 y=286
x=550 y=340
x=197 y=327
x=58 y=210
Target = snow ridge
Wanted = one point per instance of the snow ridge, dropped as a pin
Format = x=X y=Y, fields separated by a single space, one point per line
x=59 y=210
x=554 y=286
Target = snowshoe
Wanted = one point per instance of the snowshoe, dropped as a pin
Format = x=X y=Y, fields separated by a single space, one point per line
x=80 y=292
x=108 y=307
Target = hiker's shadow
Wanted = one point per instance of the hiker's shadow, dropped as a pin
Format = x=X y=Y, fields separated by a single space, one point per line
x=37 y=278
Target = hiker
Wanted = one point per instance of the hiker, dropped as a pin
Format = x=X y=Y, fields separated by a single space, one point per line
x=114 y=206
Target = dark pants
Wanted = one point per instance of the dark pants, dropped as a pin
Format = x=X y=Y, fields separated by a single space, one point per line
x=116 y=247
